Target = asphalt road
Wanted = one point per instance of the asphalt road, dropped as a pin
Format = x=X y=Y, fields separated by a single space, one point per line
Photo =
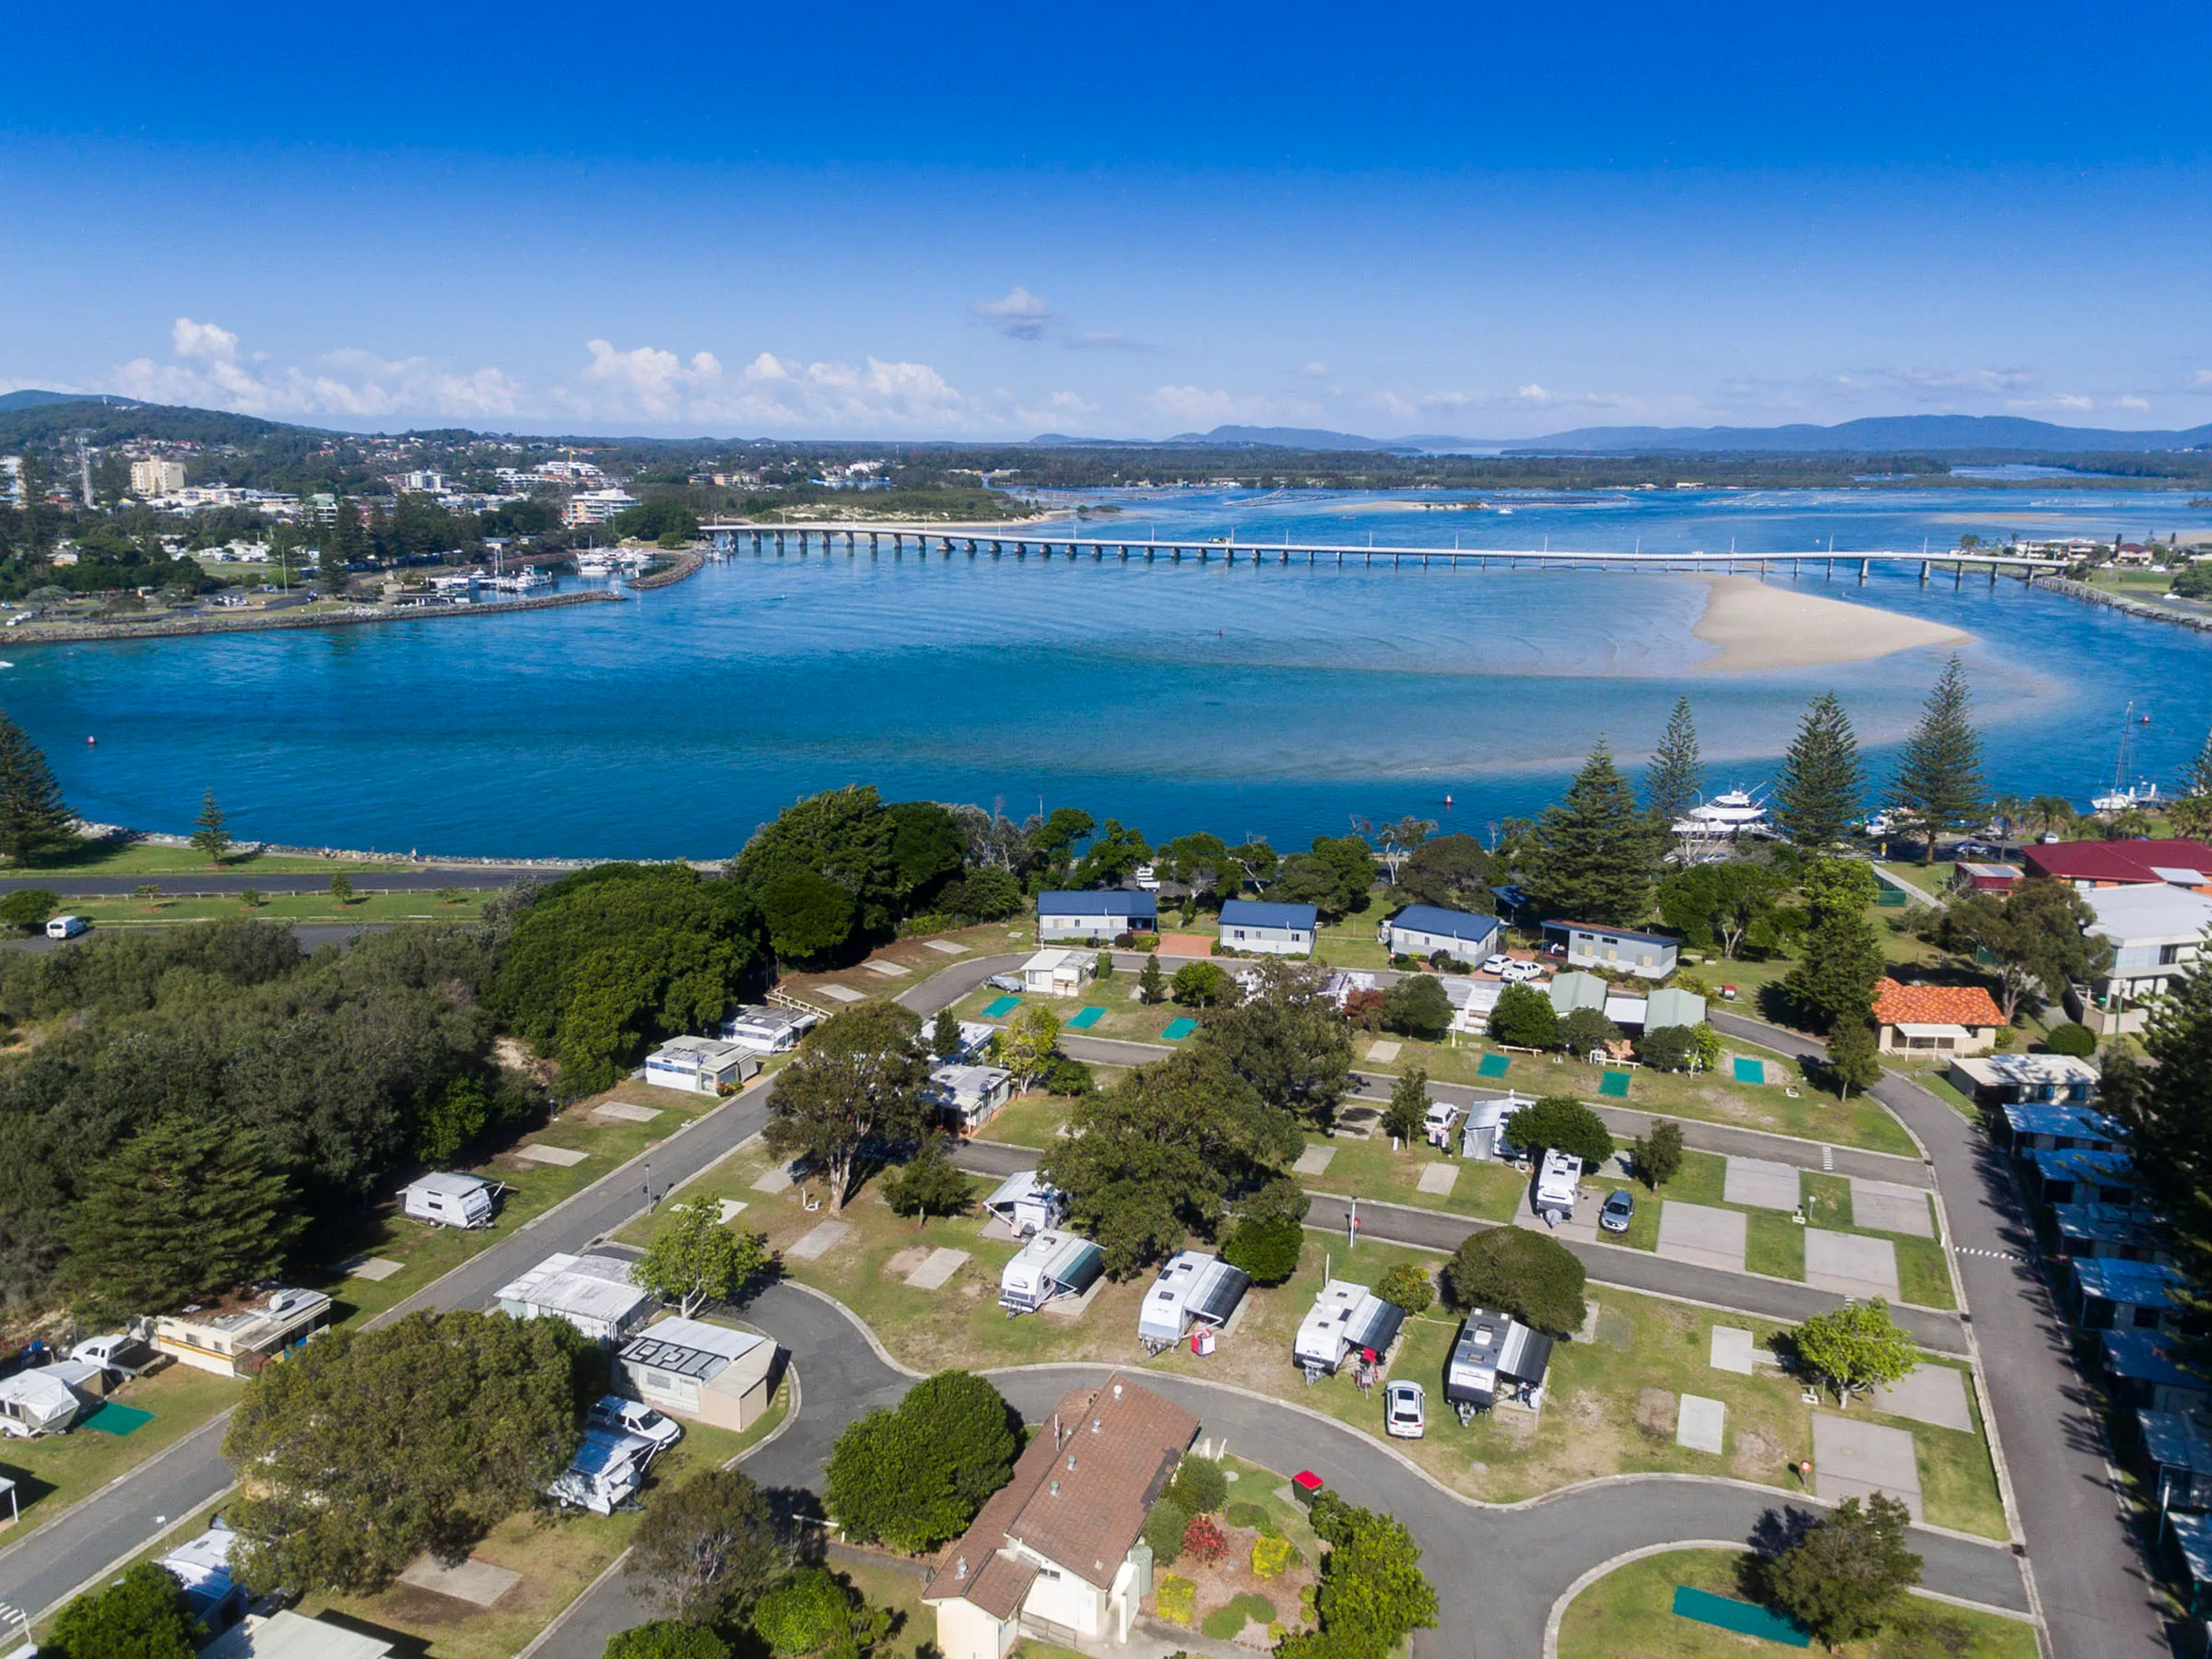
x=2097 y=1594
x=1497 y=1570
x=47 y=1565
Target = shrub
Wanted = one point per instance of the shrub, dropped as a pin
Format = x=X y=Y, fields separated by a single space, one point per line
x=2072 y=1038
x=1365 y=1009
x=666 y=1639
x=1563 y=1122
x=1243 y=1513
x=1269 y=1556
x=1203 y=985
x=1525 y=1018
x=1177 y=1597
x=1070 y=1077
x=28 y=907
x=1204 y=1541
x=1164 y=1528
x=1417 y=1006
x=1407 y=1287
x=1659 y=1153
x=1266 y=1247
x=1199 y=1485
x=1585 y=1030
x=805 y=1613
x=1223 y=1623
x=1667 y=1048
x=1535 y=1278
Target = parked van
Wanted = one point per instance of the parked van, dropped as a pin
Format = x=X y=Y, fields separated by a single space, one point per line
x=66 y=927
x=447 y=1200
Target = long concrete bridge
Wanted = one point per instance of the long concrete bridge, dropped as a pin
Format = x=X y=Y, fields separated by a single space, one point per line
x=827 y=537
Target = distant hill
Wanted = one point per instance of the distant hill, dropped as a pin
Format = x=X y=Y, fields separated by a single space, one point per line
x=1950 y=433
x=1943 y=434
x=30 y=399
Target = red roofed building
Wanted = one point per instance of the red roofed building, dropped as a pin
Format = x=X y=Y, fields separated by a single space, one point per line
x=1935 y=1020
x=2086 y=865
x=1054 y=1553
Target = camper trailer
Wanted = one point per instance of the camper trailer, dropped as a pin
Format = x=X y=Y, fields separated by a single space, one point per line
x=446 y=1200
x=605 y=1473
x=1557 y=1180
x=1192 y=1290
x=1345 y=1319
x=1049 y=1267
x=1027 y=1205
x=45 y=1399
x=1496 y=1358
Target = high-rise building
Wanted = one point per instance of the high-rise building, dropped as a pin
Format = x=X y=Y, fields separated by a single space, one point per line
x=157 y=477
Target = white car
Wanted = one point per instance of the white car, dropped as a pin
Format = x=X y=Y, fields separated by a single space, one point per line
x=1404 y=1411
x=630 y=1416
x=1519 y=974
x=1497 y=964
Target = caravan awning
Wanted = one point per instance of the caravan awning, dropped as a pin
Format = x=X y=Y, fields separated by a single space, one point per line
x=1218 y=1292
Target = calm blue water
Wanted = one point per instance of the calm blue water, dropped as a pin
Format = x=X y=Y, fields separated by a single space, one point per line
x=1281 y=703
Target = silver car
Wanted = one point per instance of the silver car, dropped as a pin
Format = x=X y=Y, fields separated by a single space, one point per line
x=1404 y=1411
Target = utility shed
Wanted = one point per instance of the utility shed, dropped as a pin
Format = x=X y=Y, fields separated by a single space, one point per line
x=692 y=1368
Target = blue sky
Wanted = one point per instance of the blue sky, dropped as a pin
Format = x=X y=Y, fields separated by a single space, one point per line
x=1126 y=220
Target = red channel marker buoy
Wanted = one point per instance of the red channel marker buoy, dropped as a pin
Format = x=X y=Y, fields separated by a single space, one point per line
x=90 y=741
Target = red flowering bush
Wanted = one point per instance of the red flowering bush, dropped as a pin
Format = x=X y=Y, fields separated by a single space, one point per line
x=1204 y=1540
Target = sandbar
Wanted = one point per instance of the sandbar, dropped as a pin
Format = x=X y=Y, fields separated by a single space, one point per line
x=1754 y=627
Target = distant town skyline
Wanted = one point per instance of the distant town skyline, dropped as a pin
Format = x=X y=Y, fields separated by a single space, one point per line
x=1129 y=225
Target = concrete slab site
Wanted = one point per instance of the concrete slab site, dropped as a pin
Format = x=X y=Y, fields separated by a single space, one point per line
x=1928 y=1394
x=1313 y=1160
x=1701 y=1424
x=1855 y=1459
x=1732 y=1349
x=1888 y=1208
x=947 y=945
x=477 y=1583
x=940 y=1266
x=538 y=1152
x=819 y=1243
x=1762 y=1185
x=1701 y=1234
x=622 y=1111
x=1438 y=1179
x=1849 y=1264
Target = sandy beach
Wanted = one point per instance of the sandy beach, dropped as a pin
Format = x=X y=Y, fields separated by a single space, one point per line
x=1754 y=627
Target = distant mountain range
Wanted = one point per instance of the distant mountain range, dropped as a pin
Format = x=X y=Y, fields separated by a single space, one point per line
x=27 y=399
x=1872 y=434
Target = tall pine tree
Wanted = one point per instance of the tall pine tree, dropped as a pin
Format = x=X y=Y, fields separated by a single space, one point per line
x=1823 y=783
x=208 y=833
x=1596 y=853
x=33 y=818
x=2191 y=811
x=182 y=1209
x=1938 y=784
x=1672 y=782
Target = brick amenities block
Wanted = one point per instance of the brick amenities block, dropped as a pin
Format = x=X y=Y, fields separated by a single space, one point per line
x=1759 y=1185
x=1886 y=1207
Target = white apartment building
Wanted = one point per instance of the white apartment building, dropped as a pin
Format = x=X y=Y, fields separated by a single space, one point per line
x=150 y=479
x=597 y=506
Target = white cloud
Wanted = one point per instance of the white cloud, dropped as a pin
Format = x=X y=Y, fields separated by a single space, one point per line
x=1195 y=406
x=2201 y=381
x=1316 y=371
x=209 y=373
x=1019 y=315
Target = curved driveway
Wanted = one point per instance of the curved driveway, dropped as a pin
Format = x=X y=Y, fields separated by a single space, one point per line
x=1498 y=1568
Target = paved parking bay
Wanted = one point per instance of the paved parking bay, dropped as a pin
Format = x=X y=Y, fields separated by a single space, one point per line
x=1849 y=1264
x=1855 y=1459
x=1700 y=1234
x=1887 y=1207
x=1928 y=1394
x=1761 y=1186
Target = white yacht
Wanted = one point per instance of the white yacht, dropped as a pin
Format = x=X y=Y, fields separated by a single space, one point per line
x=1730 y=814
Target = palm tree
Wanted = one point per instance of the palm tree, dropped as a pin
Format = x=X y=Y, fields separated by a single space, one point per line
x=2007 y=812
x=2047 y=812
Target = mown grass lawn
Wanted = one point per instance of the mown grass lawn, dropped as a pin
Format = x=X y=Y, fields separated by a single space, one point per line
x=1589 y=1425
x=144 y=858
x=117 y=913
x=1629 y=1613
